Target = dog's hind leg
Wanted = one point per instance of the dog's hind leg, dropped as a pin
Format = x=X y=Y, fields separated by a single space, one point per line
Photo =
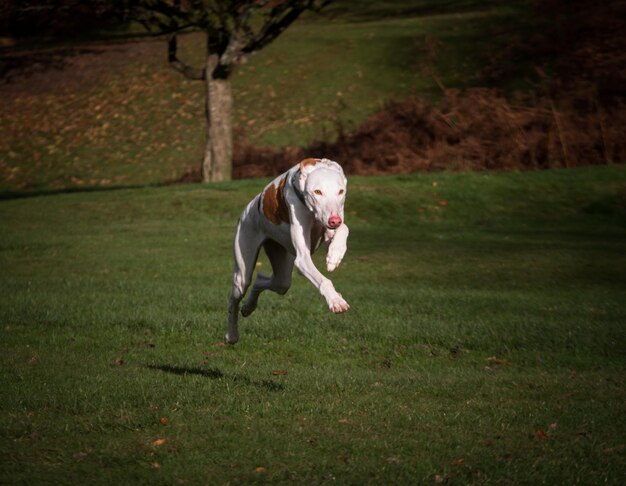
x=280 y=281
x=246 y=249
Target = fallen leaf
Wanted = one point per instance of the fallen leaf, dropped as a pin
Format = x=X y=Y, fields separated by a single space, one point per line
x=164 y=420
x=343 y=457
x=159 y=442
x=279 y=372
x=394 y=460
x=386 y=364
x=610 y=450
x=497 y=361
x=430 y=350
x=260 y=469
x=540 y=434
x=155 y=465
x=81 y=456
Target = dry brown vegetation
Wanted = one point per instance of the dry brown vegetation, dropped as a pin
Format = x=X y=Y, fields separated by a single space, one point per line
x=478 y=129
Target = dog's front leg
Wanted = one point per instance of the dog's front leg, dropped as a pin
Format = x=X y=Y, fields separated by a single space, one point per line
x=337 y=247
x=305 y=265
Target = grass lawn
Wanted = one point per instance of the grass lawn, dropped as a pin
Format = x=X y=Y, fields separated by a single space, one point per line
x=485 y=343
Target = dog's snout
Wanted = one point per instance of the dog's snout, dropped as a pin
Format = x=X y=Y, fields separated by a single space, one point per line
x=334 y=221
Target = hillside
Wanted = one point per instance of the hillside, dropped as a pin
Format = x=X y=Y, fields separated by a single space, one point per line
x=114 y=113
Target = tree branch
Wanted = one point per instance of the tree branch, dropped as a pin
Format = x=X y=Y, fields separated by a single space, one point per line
x=235 y=28
x=188 y=71
x=281 y=17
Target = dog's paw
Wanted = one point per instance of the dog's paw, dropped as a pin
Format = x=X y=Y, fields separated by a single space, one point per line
x=228 y=339
x=333 y=261
x=338 y=305
x=331 y=266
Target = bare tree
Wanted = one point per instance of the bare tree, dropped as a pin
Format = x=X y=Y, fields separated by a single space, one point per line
x=234 y=29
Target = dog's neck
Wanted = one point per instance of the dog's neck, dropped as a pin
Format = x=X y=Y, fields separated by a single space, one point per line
x=295 y=184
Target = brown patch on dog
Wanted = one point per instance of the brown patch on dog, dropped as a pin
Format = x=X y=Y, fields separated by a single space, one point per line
x=309 y=161
x=274 y=205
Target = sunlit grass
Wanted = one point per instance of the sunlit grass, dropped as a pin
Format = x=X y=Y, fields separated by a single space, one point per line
x=484 y=343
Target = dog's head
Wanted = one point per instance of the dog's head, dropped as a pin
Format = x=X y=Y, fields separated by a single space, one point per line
x=323 y=185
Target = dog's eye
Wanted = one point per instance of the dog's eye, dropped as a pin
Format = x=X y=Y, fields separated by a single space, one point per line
x=317 y=192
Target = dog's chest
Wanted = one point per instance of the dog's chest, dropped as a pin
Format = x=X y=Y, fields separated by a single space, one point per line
x=317 y=236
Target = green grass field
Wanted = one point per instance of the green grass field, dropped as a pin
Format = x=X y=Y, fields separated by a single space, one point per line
x=485 y=343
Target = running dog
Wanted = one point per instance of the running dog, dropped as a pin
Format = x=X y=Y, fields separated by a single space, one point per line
x=290 y=219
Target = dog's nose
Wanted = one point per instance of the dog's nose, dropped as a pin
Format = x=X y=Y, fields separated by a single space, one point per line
x=334 y=221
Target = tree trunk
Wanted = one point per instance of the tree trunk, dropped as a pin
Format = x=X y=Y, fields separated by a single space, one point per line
x=218 y=153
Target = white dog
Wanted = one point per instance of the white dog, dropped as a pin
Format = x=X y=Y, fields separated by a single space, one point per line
x=290 y=219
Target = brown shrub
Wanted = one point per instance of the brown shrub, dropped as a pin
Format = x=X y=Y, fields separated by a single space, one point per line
x=478 y=129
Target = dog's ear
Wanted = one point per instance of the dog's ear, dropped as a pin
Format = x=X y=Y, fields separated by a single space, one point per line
x=306 y=167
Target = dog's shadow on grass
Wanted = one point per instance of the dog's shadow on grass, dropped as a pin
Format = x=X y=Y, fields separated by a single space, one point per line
x=217 y=374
